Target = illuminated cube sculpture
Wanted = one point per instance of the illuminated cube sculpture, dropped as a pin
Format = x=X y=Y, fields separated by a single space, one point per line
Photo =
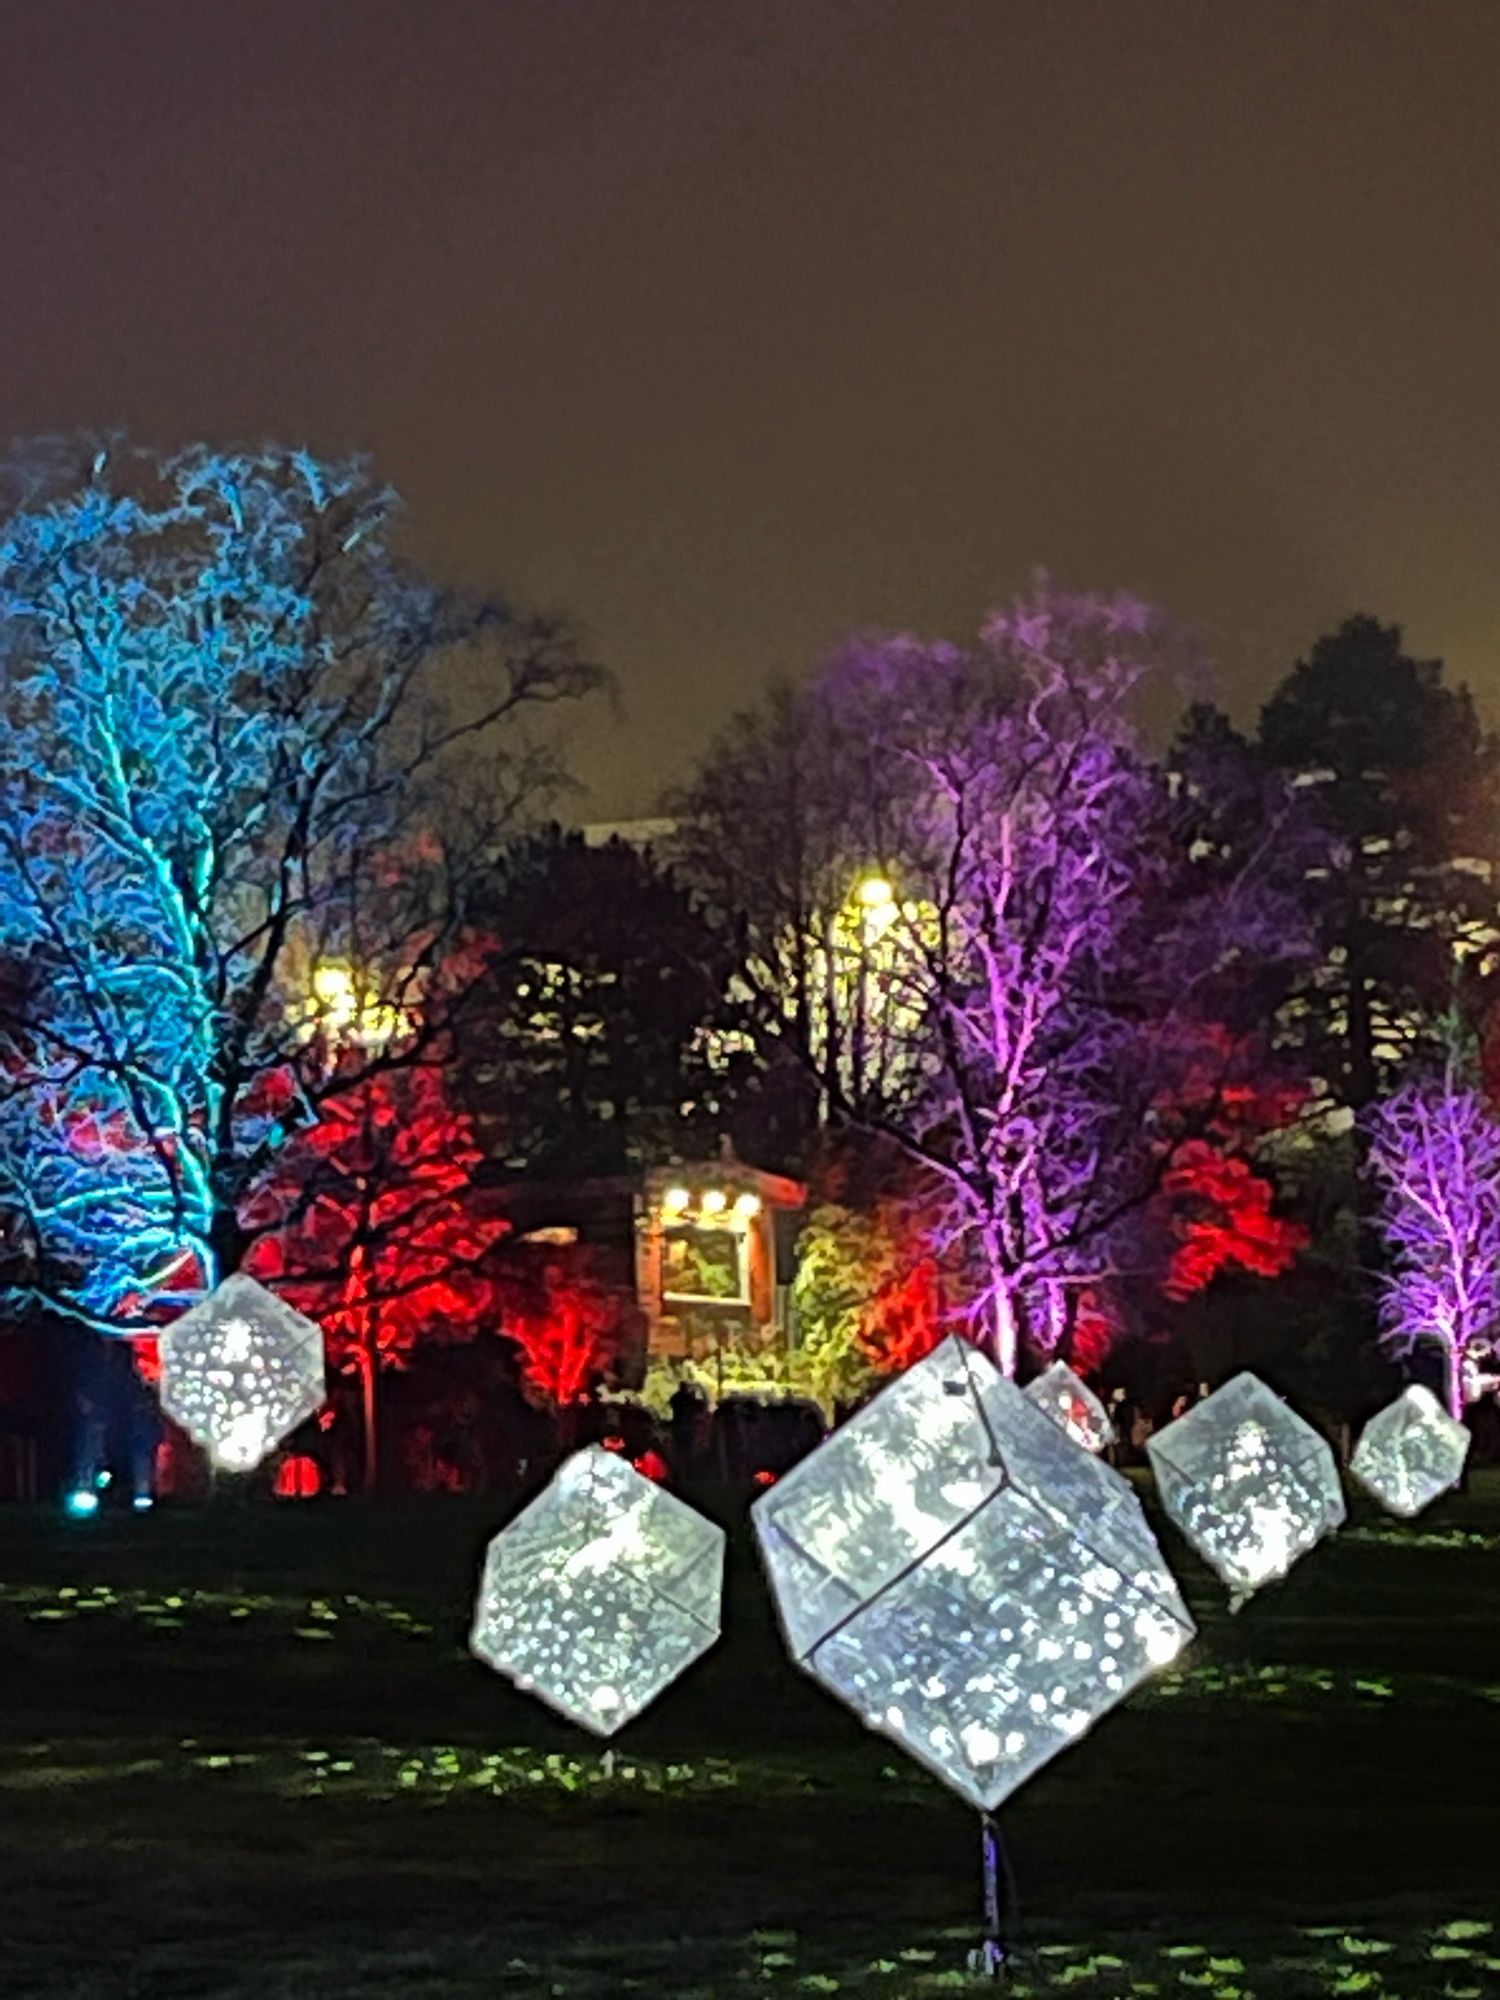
x=239 y=1370
x=600 y=1593
x=968 y=1580
x=1249 y=1484
x=1071 y=1404
x=1411 y=1452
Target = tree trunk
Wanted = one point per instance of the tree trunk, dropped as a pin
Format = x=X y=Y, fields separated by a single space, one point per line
x=1453 y=1354
x=1003 y=1341
x=1360 y=1036
x=227 y=1243
x=369 y=1376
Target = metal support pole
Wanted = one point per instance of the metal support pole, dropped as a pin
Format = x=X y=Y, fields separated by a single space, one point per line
x=991 y=1957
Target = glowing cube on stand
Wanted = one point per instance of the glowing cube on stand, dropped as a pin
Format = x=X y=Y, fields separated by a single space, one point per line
x=1411 y=1452
x=951 y=1565
x=1249 y=1484
x=240 y=1370
x=600 y=1593
x=1071 y=1404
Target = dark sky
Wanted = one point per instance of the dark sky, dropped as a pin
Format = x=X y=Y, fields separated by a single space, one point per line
x=730 y=325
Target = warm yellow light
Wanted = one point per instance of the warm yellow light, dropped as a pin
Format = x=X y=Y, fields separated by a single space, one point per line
x=675 y=1200
x=333 y=985
x=876 y=893
x=747 y=1204
x=339 y=1008
x=715 y=1202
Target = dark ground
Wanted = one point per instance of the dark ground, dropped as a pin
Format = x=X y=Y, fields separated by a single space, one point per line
x=243 y=1753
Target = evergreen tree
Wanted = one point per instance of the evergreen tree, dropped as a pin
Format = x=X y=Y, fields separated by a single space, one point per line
x=1401 y=775
x=599 y=1036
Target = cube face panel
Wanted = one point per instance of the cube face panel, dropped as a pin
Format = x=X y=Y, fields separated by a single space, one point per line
x=907 y=1470
x=1410 y=1453
x=600 y=1593
x=1072 y=1405
x=240 y=1370
x=1247 y=1482
x=1021 y=1593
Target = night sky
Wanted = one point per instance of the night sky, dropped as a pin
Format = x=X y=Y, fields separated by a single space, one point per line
x=727 y=326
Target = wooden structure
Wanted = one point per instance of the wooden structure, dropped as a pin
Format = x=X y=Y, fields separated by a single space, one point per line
x=715 y=1255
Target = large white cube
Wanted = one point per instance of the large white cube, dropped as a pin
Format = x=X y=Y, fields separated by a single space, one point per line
x=1248 y=1482
x=600 y=1593
x=1072 y=1405
x=1410 y=1452
x=964 y=1576
x=239 y=1370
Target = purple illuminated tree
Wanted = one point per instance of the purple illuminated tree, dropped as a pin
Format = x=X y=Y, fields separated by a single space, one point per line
x=1056 y=952
x=1434 y=1155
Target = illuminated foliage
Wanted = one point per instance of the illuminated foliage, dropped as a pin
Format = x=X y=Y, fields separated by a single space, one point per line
x=742 y=1368
x=1223 y=1220
x=1062 y=929
x=224 y=770
x=1216 y=1210
x=868 y=1298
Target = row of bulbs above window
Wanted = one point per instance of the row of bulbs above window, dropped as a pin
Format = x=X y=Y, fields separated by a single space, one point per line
x=714 y=1201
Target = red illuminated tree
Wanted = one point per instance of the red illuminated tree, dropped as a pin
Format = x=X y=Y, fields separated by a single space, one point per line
x=903 y=1320
x=1216 y=1207
x=1223 y=1219
x=566 y=1322
x=375 y=1231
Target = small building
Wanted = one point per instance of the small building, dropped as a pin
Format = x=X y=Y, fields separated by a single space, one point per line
x=707 y=1252
x=715 y=1258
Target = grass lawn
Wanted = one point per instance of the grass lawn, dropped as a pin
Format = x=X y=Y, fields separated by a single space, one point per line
x=244 y=1753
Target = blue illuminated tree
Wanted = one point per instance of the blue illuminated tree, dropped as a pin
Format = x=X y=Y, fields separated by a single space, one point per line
x=230 y=853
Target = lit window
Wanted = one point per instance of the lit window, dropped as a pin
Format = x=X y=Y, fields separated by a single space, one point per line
x=706 y=1266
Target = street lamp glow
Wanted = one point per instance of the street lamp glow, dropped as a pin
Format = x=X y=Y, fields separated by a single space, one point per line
x=876 y=893
x=346 y=1011
x=333 y=988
